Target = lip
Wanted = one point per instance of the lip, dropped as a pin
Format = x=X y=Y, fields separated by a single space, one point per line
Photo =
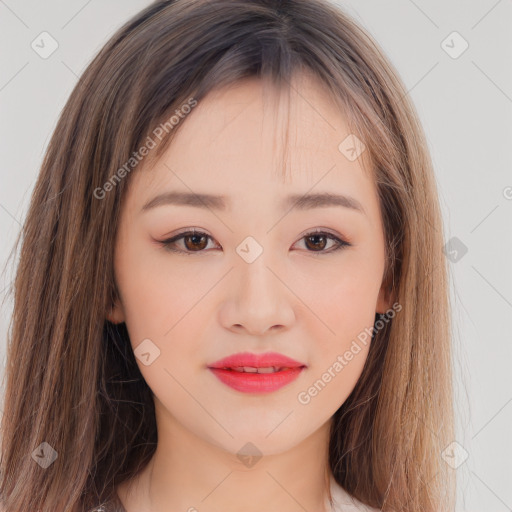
x=256 y=360
x=256 y=382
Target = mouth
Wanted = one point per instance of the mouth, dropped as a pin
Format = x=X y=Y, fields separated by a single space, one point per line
x=253 y=369
x=256 y=373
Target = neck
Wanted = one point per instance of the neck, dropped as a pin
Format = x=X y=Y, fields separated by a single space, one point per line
x=189 y=473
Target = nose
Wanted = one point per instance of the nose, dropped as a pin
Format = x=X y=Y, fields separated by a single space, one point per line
x=258 y=299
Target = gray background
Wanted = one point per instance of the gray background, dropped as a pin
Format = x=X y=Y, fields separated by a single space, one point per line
x=465 y=105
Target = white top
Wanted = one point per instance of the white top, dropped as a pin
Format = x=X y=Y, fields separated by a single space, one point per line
x=343 y=502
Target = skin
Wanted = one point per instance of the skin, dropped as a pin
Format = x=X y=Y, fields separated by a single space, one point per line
x=202 y=306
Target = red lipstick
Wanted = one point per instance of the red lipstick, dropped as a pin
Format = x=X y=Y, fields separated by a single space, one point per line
x=256 y=373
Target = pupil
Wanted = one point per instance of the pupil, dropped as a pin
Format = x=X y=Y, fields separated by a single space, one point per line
x=194 y=239
x=314 y=237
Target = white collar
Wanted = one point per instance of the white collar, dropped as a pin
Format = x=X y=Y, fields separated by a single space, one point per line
x=344 y=502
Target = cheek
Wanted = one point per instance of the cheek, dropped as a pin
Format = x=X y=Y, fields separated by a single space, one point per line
x=342 y=336
x=344 y=299
x=161 y=306
x=157 y=297
x=331 y=382
x=344 y=296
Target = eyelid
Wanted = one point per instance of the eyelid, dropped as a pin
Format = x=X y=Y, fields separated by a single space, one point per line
x=340 y=240
x=166 y=243
x=324 y=231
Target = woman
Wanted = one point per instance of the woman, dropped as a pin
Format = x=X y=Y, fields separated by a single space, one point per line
x=231 y=291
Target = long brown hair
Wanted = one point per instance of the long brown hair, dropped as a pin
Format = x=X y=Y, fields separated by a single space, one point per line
x=71 y=378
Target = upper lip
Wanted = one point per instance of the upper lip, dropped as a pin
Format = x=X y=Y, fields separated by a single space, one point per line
x=256 y=361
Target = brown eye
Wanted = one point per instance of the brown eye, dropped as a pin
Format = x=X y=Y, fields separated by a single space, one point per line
x=316 y=242
x=188 y=242
x=195 y=242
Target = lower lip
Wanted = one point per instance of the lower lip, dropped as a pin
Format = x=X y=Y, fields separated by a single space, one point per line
x=256 y=382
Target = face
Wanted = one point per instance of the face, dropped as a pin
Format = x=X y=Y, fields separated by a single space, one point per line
x=260 y=274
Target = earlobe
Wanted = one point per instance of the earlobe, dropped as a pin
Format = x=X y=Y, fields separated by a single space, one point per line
x=384 y=300
x=116 y=313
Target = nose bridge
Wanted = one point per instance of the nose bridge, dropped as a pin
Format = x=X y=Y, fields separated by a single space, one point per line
x=259 y=286
x=260 y=298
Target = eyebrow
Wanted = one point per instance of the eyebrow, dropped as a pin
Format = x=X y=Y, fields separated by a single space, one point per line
x=214 y=202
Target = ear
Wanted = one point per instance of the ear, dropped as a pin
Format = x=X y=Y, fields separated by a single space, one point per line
x=385 y=298
x=116 y=313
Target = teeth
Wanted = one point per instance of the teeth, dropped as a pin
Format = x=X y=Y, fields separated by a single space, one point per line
x=271 y=369
x=252 y=369
x=247 y=369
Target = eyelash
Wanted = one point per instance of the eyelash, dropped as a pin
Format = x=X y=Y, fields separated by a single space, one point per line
x=168 y=243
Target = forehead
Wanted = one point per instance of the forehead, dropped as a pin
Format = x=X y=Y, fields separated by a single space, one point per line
x=250 y=140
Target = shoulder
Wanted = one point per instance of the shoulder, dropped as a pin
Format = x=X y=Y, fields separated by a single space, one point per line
x=344 y=502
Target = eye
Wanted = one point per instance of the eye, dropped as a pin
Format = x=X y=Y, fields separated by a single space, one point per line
x=193 y=240
x=197 y=241
x=318 y=240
